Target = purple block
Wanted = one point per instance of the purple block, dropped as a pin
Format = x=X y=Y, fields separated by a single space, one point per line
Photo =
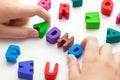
x=118 y=19
x=46 y=4
x=26 y=70
x=53 y=35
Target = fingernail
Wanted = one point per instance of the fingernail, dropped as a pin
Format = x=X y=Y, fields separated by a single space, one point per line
x=70 y=58
x=34 y=34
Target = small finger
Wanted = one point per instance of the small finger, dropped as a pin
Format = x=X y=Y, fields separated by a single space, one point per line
x=117 y=60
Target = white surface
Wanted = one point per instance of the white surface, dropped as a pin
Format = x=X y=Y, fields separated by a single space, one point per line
x=40 y=51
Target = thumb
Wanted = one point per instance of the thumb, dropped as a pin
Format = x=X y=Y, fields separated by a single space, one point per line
x=74 y=68
x=14 y=32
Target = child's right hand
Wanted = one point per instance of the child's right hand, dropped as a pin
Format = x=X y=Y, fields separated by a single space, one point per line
x=13 y=14
x=98 y=63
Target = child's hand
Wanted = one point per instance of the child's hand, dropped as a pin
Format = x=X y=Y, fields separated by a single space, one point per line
x=13 y=14
x=98 y=63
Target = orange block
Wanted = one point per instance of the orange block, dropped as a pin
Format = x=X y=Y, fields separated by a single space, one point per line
x=107 y=7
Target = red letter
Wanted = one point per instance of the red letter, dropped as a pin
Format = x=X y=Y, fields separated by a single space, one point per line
x=51 y=75
x=64 y=11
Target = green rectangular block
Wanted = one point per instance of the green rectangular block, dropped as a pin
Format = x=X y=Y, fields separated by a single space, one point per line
x=41 y=28
x=92 y=20
x=77 y=3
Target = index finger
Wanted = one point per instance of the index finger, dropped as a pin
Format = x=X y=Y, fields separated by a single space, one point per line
x=23 y=11
x=91 y=48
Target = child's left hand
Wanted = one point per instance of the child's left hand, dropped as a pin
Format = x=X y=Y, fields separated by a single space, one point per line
x=13 y=14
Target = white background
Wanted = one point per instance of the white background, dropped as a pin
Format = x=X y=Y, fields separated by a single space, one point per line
x=41 y=51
